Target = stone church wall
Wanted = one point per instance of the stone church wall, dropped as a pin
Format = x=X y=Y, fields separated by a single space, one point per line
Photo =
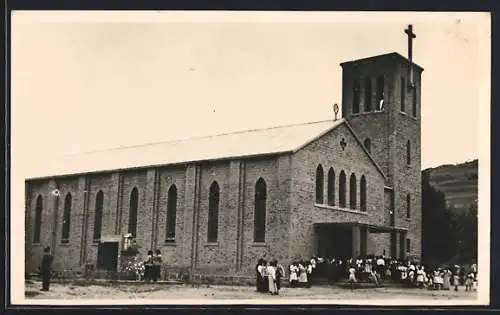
x=234 y=251
x=327 y=151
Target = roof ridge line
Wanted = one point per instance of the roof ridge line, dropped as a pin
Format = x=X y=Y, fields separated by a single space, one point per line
x=197 y=137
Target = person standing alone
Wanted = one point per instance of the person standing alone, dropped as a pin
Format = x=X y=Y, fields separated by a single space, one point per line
x=46 y=269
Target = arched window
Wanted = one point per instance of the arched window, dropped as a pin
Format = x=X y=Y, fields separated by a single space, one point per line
x=259 y=228
x=380 y=93
x=408 y=206
x=331 y=187
x=355 y=97
x=99 y=204
x=66 y=219
x=132 y=214
x=213 y=213
x=171 y=213
x=368 y=145
x=362 y=193
x=352 y=191
x=342 y=189
x=368 y=95
x=408 y=153
x=319 y=184
x=38 y=219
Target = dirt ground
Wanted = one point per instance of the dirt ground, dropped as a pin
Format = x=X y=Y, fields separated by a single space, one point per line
x=218 y=292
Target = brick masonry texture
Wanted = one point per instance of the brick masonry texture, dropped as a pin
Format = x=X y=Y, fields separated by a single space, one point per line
x=291 y=212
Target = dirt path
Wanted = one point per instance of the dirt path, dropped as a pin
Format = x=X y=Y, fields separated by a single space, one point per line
x=167 y=292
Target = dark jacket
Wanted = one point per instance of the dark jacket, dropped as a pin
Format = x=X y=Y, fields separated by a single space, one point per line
x=46 y=266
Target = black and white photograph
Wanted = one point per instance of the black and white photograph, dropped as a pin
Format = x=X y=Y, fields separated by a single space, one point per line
x=195 y=157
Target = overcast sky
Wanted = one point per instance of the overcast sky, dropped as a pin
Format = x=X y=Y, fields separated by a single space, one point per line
x=81 y=85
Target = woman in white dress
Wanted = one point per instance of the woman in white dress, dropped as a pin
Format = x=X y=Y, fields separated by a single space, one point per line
x=294 y=270
x=420 y=277
x=352 y=276
x=302 y=274
x=271 y=275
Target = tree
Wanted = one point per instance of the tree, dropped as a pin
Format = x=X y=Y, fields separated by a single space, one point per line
x=438 y=232
x=466 y=230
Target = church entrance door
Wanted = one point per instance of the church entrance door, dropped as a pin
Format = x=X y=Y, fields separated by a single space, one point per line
x=334 y=241
x=107 y=256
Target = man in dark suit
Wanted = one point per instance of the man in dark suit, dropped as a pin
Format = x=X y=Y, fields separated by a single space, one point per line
x=46 y=269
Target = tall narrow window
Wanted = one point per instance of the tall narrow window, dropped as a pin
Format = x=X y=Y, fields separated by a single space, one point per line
x=403 y=94
x=331 y=187
x=368 y=145
x=408 y=152
x=408 y=244
x=171 y=213
x=408 y=206
x=368 y=95
x=380 y=93
x=342 y=189
x=259 y=228
x=355 y=97
x=38 y=219
x=352 y=191
x=132 y=212
x=99 y=204
x=319 y=184
x=362 y=193
x=414 y=101
x=213 y=213
x=66 y=219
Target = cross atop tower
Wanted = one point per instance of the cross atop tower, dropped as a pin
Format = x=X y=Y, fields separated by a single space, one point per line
x=411 y=36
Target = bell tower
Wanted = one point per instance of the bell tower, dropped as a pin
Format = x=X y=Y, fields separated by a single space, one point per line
x=381 y=101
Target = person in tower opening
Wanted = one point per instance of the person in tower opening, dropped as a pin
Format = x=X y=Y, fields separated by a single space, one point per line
x=381 y=103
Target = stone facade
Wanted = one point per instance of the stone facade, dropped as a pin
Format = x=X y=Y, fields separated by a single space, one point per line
x=390 y=131
x=292 y=214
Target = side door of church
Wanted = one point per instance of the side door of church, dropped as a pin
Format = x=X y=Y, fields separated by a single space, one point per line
x=107 y=256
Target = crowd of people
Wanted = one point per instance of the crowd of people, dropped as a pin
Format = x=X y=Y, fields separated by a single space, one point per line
x=375 y=269
x=269 y=275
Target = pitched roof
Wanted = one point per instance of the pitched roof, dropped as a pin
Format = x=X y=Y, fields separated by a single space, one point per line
x=250 y=143
x=275 y=140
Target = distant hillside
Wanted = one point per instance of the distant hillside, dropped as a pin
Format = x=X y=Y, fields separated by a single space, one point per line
x=458 y=183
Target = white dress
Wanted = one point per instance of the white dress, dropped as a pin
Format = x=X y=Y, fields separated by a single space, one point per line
x=302 y=274
x=293 y=273
x=420 y=276
x=271 y=274
x=352 y=274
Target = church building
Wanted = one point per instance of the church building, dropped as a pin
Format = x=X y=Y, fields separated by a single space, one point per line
x=343 y=187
